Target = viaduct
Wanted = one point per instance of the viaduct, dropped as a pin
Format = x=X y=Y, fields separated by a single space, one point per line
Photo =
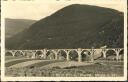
x=92 y=53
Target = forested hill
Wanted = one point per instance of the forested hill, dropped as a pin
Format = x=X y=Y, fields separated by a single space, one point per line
x=14 y=26
x=74 y=26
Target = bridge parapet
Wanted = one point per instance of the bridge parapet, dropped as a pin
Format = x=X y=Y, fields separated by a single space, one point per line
x=70 y=49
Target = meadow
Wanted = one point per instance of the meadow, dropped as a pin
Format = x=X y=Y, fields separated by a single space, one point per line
x=38 y=69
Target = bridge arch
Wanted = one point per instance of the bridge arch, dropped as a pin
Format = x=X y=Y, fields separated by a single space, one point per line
x=51 y=54
x=29 y=54
x=9 y=53
x=61 y=55
x=19 y=53
x=111 y=54
x=86 y=55
x=39 y=54
x=73 y=55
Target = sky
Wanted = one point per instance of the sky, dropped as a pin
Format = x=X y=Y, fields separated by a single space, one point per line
x=39 y=9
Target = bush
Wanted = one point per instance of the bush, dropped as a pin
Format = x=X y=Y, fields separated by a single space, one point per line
x=70 y=67
x=31 y=67
x=98 y=63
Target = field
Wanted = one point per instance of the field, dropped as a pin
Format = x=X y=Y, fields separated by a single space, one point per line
x=60 y=68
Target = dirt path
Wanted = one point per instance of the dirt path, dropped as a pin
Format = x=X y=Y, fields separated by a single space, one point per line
x=7 y=61
x=27 y=63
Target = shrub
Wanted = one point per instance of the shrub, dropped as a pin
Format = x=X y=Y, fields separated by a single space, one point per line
x=70 y=67
x=98 y=63
x=31 y=67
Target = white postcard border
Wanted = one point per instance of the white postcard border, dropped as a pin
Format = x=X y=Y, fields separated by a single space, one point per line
x=4 y=78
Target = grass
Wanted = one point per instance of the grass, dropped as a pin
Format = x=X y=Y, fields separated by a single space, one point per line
x=99 y=68
x=17 y=61
x=44 y=63
x=25 y=60
x=12 y=57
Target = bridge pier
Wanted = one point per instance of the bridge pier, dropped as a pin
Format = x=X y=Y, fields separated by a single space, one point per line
x=79 y=55
x=44 y=53
x=104 y=53
x=79 y=58
x=13 y=54
x=67 y=55
x=23 y=53
x=117 y=53
x=92 y=55
x=117 y=56
x=33 y=55
x=56 y=57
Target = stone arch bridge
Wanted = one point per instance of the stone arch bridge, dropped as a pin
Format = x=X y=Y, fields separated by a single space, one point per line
x=92 y=52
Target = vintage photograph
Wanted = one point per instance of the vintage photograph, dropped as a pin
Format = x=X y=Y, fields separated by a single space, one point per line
x=64 y=38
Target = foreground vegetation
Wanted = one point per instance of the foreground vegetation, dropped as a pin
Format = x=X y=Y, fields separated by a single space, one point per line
x=108 y=69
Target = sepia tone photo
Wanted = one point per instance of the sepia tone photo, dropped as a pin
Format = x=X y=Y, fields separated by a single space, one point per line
x=64 y=39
